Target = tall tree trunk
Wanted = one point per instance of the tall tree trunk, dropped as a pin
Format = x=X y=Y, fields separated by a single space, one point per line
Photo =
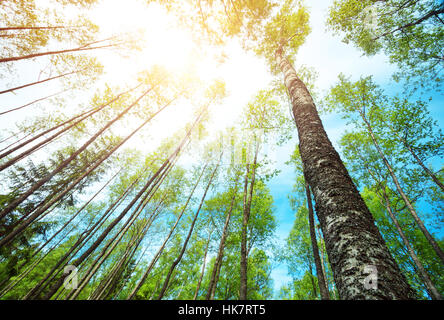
x=203 y=267
x=75 y=214
x=85 y=47
x=352 y=239
x=39 y=82
x=218 y=263
x=31 y=103
x=108 y=249
x=114 y=241
x=243 y=290
x=314 y=244
x=106 y=288
x=404 y=197
x=184 y=246
x=82 y=117
x=79 y=118
x=24 y=273
x=104 y=234
x=243 y=271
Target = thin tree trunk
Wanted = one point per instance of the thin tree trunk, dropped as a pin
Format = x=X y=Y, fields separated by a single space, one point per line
x=246 y=216
x=12 y=136
x=82 y=116
x=112 y=243
x=32 y=102
x=76 y=214
x=422 y=272
x=220 y=253
x=404 y=197
x=416 y=157
x=424 y=167
x=352 y=239
x=314 y=244
x=104 y=234
x=243 y=264
x=35 y=55
x=124 y=264
x=39 y=82
x=190 y=232
x=203 y=267
x=60 y=230
x=135 y=245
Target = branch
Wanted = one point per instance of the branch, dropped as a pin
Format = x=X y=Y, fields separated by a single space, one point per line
x=411 y=24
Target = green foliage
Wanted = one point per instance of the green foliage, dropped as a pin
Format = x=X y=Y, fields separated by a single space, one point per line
x=287 y=29
x=410 y=33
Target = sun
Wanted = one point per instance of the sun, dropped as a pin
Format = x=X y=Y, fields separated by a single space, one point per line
x=167 y=44
x=161 y=40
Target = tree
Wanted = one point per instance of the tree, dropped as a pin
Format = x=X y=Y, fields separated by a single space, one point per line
x=362 y=98
x=408 y=244
x=351 y=237
x=408 y=32
x=218 y=201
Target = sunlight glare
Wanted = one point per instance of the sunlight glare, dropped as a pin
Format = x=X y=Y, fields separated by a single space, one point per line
x=167 y=44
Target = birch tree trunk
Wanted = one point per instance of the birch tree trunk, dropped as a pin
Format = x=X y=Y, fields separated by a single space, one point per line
x=203 y=267
x=314 y=244
x=246 y=216
x=190 y=232
x=40 y=82
x=352 y=239
x=220 y=253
